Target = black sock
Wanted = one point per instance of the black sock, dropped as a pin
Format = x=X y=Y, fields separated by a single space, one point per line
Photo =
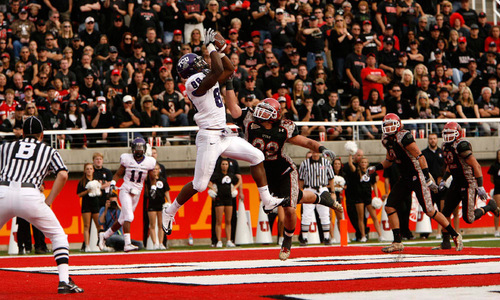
x=326 y=199
x=287 y=238
x=478 y=213
x=397 y=235
x=446 y=238
x=451 y=231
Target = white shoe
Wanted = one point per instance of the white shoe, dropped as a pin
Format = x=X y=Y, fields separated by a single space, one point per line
x=497 y=233
x=130 y=247
x=167 y=219
x=87 y=249
x=230 y=244
x=274 y=202
x=219 y=244
x=162 y=247
x=439 y=236
x=102 y=242
x=156 y=247
x=363 y=239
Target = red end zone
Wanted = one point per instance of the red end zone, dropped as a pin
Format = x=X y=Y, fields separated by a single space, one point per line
x=251 y=273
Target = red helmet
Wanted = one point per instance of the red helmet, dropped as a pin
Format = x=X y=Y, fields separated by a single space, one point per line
x=391 y=124
x=451 y=132
x=268 y=110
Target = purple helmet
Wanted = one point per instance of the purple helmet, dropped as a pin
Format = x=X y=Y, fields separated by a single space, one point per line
x=138 y=147
x=190 y=64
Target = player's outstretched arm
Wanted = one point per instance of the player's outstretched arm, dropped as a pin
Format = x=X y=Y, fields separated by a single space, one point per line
x=61 y=178
x=305 y=142
x=232 y=100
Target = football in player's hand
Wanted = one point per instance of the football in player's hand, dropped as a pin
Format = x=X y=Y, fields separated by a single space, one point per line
x=219 y=42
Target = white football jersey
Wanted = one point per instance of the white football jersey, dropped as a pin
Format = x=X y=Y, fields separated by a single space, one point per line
x=211 y=112
x=136 y=172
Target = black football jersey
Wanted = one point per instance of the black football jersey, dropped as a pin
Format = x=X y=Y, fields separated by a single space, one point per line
x=270 y=141
x=461 y=171
x=395 y=145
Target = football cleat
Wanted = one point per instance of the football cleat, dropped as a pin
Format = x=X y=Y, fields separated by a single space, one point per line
x=68 y=288
x=393 y=248
x=102 y=241
x=167 y=220
x=337 y=206
x=459 y=245
x=130 y=247
x=274 y=203
x=286 y=248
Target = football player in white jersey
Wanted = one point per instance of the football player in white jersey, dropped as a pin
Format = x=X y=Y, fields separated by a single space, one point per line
x=213 y=138
x=134 y=167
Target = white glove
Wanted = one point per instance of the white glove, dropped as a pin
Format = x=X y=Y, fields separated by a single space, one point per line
x=209 y=36
x=442 y=185
x=112 y=185
x=212 y=193
x=432 y=185
x=234 y=193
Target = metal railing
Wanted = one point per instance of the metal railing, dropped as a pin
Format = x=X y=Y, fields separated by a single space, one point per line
x=178 y=134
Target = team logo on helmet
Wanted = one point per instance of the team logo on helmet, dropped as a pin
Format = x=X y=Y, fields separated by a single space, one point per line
x=268 y=110
x=451 y=132
x=190 y=64
x=391 y=124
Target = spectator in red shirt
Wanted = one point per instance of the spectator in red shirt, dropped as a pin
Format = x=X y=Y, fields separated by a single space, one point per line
x=8 y=107
x=373 y=78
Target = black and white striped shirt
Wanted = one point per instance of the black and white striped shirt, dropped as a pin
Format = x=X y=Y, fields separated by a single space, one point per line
x=28 y=161
x=316 y=174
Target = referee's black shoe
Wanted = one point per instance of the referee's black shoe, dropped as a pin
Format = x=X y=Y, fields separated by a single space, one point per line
x=68 y=288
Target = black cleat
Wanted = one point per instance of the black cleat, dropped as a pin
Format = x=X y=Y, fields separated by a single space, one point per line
x=68 y=288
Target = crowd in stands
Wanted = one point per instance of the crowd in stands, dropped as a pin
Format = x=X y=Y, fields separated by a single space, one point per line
x=81 y=64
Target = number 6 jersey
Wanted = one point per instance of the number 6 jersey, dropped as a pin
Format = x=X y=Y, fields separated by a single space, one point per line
x=135 y=172
x=211 y=112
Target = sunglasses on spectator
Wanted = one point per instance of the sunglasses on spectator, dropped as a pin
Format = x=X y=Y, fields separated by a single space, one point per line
x=319 y=83
x=396 y=91
x=49 y=39
x=72 y=105
x=144 y=89
x=67 y=26
x=43 y=77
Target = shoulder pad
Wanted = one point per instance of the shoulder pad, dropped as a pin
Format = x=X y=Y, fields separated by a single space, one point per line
x=463 y=145
x=407 y=138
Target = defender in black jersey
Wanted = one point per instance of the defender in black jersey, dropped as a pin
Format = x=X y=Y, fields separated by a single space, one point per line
x=265 y=130
x=467 y=181
x=415 y=177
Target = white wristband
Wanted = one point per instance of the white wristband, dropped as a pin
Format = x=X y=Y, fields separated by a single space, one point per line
x=221 y=55
x=211 y=48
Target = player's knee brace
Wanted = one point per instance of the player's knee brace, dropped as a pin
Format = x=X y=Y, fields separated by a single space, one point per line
x=434 y=215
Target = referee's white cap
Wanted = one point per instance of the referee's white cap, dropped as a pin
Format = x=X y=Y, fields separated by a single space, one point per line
x=32 y=125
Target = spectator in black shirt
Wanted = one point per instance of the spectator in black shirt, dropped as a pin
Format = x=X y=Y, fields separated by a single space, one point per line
x=319 y=93
x=274 y=81
x=250 y=58
x=474 y=41
x=172 y=111
x=310 y=112
x=332 y=112
x=469 y=15
x=281 y=31
x=250 y=96
x=54 y=119
x=484 y=26
x=473 y=78
x=460 y=60
x=90 y=36
x=400 y=106
x=127 y=117
x=149 y=118
x=143 y=18
x=388 y=57
x=354 y=63
x=445 y=106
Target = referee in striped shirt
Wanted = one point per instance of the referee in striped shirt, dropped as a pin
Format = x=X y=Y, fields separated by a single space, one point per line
x=316 y=174
x=23 y=166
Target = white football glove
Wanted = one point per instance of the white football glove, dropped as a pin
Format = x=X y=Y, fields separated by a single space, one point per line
x=432 y=185
x=209 y=36
x=442 y=185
